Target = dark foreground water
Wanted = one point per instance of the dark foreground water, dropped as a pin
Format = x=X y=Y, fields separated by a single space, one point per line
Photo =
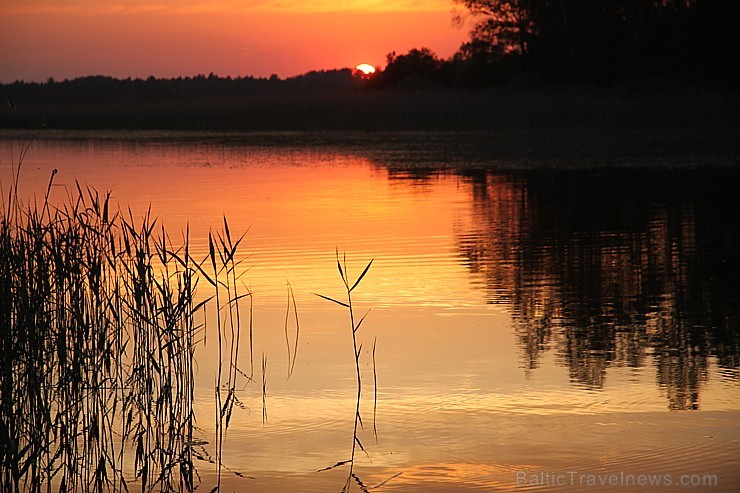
x=569 y=326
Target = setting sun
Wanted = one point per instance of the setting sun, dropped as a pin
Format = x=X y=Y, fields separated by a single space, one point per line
x=172 y=39
x=366 y=68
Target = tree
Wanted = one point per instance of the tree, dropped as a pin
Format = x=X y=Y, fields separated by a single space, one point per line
x=504 y=25
x=416 y=69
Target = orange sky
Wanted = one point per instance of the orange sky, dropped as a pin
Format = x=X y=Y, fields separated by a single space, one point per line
x=70 y=38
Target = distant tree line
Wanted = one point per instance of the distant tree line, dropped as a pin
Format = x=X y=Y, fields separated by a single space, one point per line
x=93 y=89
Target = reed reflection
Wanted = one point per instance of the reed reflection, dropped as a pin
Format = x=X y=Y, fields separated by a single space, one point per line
x=609 y=268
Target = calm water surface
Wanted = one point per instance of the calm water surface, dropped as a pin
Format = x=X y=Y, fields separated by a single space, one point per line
x=532 y=326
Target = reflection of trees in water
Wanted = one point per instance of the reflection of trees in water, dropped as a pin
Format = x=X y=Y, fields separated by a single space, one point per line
x=609 y=268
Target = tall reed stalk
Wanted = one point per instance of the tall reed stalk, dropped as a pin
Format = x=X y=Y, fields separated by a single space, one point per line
x=357 y=350
x=222 y=256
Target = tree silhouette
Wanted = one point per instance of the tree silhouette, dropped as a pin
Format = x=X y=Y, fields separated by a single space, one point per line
x=417 y=68
x=503 y=26
x=608 y=40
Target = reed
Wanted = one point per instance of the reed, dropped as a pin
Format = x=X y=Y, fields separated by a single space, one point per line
x=349 y=287
x=100 y=318
x=292 y=352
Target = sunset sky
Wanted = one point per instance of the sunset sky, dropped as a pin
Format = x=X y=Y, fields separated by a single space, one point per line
x=168 y=38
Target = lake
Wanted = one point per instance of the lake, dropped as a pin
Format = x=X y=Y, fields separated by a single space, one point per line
x=540 y=322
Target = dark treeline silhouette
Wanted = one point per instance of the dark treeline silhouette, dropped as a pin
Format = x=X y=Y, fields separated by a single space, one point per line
x=582 y=41
x=183 y=103
x=345 y=103
x=603 y=41
x=100 y=88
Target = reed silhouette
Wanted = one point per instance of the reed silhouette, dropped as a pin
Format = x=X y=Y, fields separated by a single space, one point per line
x=349 y=287
x=100 y=317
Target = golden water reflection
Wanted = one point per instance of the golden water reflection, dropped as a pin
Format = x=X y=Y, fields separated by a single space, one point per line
x=525 y=320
